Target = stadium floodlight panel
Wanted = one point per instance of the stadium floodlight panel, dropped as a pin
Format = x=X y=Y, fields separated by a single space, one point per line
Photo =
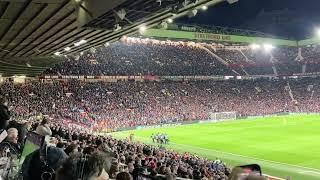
x=318 y=32
x=255 y=46
x=204 y=7
x=142 y=28
x=82 y=41
x=268 y=47
x=170 y=20
x=67 y=48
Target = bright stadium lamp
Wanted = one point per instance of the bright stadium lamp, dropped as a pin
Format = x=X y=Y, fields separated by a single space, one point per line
x=57 y=53
x=142 y=29
x=318 y=32
x=170 y=20
x=67 y=48
x=204 y=7
x=268 y=47
x=79 y=43
x=106 y=44
x=255 y=46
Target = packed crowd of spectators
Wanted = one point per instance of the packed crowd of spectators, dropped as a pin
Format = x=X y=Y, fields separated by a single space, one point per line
x=129 y=104
x=66 y=112
x=131 y=59
x=135 y=56
x=72 y=154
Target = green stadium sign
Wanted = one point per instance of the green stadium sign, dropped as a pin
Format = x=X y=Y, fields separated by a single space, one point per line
x=175 y=34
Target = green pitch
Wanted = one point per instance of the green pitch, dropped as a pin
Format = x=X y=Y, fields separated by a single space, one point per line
x=283 y=145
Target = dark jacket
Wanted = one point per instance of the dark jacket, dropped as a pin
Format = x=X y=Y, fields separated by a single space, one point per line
x=4 y=112
x=22 y=129
x=4 y=116
x=33 y=167
x=14 y=148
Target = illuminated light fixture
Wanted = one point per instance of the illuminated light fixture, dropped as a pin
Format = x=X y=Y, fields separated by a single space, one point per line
x=82 y=41
x=142 y=29
x=106 y=44
x=67 y=48
x=204 y=7
x=268 y=47
x=81 y=53
x=170 y=20
x=57 y=53
x=318 y=32
x=255 y=46
x=117 y=27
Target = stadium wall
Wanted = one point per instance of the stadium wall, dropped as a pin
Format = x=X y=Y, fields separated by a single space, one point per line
x=309 y=41
x=161 y=33
x=193 y=34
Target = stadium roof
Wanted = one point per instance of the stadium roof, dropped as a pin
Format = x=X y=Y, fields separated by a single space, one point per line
x=38 y=28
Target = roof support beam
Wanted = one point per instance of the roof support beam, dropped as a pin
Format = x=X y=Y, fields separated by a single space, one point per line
x=29 y=21
x=25 y=5
x=41 y=24
x=60 y=46
x=53 y=34
x=4 y=8
x=63 y=40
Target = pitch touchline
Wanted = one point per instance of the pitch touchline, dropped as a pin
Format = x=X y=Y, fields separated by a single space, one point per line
x=270 y=161
x=243 y=156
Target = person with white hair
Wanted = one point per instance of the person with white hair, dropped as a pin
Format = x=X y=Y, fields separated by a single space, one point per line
x=10 y=144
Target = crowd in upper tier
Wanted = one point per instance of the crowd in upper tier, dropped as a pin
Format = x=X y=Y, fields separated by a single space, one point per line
x=134 y=56
x=129 y=104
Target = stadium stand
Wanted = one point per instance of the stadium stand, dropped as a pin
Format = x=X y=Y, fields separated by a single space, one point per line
x=130 y=104
x=104 y=85
x=172 y=58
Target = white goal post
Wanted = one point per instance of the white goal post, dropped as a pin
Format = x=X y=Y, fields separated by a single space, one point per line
x=222 y=116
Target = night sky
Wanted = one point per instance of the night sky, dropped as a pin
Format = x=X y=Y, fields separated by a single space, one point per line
x=294 y=19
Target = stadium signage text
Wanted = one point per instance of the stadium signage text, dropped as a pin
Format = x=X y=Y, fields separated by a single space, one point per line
x=208 y=36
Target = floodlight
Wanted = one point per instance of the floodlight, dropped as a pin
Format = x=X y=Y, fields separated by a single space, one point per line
x=106 y=44
x=67 y=48
x=170 y=20
x=255 y=46
x=318 y=32
x=82 y=41
x=142 y=29
x=57 y=53
x=204 y=7
x=268 y=47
